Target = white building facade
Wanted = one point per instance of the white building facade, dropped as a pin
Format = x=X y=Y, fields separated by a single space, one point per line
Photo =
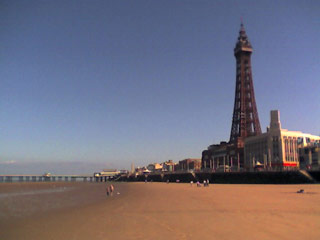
x=277 y=149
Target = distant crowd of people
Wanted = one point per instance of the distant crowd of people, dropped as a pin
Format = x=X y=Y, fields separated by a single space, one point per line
x=205 y=183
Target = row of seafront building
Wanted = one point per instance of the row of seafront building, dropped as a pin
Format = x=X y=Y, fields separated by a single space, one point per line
x=185 y=165
x=276 y=149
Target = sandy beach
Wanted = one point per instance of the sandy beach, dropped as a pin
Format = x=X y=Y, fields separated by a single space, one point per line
x=158 y=211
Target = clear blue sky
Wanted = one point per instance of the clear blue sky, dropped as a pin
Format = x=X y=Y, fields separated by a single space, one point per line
x=108 y=83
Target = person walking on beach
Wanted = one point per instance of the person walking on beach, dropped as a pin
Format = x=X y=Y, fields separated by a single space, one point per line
x=111 y=189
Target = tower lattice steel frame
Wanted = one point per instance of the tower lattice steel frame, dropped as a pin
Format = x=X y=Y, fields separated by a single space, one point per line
x=245 y=120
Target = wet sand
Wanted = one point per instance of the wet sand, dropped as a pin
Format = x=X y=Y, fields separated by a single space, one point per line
x=158 y=211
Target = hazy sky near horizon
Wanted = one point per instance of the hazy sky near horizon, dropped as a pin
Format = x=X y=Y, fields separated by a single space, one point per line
x=116 y=82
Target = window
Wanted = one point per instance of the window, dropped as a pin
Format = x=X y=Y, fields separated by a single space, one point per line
x=251 y=127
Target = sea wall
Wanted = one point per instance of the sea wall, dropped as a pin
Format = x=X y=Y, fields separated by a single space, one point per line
x=315 y=175
x=284 y=177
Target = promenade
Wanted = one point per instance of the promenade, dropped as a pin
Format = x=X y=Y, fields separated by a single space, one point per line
x=159 y=211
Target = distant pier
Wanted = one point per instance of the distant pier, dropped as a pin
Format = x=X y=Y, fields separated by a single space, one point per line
x=52 y=178
x=104 y=176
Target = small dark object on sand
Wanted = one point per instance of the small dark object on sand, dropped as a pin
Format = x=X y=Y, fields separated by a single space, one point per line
x=300 y=191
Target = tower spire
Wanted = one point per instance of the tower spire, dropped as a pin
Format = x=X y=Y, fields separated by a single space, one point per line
x=243 y=42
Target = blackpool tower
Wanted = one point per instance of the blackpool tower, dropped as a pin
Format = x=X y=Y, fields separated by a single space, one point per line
x=245 y=120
